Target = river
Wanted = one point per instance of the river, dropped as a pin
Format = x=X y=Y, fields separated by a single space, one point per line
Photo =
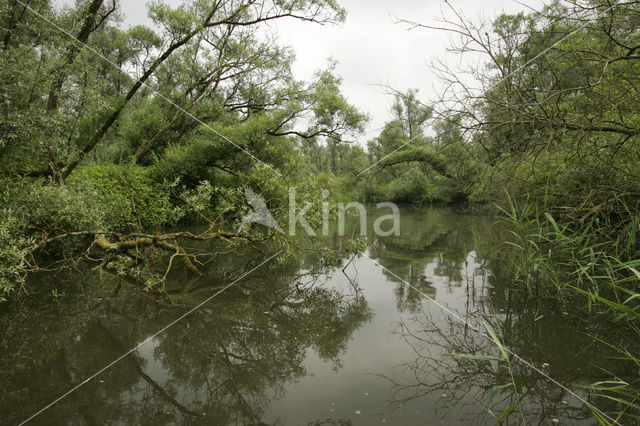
x=300 y=342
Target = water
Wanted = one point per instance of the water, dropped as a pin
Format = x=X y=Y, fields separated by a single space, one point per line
x=300 y=343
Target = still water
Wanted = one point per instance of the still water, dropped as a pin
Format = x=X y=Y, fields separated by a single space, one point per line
x=298 y=342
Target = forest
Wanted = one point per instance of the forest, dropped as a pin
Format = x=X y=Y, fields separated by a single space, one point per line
x=117 y=142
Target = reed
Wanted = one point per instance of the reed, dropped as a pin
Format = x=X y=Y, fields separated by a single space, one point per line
x=594 y=264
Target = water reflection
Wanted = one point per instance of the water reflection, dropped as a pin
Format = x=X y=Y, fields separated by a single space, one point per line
x=220 y=365
x=302 y=341
x=433 y=245
x=472 y=386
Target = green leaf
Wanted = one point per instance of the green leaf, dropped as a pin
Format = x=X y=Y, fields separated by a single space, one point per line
x=506 y=412
x=496 y=340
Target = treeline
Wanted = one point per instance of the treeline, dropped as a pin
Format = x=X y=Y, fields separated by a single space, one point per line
x=416 y=158
x=129 y=129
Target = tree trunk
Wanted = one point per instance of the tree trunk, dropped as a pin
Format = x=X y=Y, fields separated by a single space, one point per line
x=88 y=26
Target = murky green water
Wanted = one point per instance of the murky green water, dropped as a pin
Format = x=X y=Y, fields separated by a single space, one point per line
x=296 y=344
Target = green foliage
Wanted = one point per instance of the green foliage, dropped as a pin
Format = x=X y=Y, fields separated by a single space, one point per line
x=208 y=203
x=412 y=186
x=410 y=113
x=208 y=156
x=96 y=198
x=550 y=253
x=421 y=154
x=331 y=109
x=143 y=118
x=439 y=169
x=61 y=102
x=50 y=208
x=594 y=264
x=13 y=249
x=25 y=129
x=127 y=194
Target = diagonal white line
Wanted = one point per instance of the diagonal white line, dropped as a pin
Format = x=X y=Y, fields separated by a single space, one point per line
x=482 y=333
x=523 y=66
x=155 y=92
x=181 y=317
x=492 y=85
x=398 y=148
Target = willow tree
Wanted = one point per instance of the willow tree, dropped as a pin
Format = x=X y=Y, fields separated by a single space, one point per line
x=215 y=42
x=555 y=101
x=111 y=132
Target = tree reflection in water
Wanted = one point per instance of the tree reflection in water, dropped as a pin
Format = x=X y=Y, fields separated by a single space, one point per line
x=465 y=385
x=555 y=342
x=238 y=358
x=441 y=254
x=220 y=365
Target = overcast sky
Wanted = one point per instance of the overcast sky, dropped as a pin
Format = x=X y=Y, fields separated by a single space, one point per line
x=371 y=48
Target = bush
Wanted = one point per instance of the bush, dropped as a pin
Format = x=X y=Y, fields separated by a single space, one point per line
x=95 y=198
x=126 y=195
x=13 y=247
x=49 y=207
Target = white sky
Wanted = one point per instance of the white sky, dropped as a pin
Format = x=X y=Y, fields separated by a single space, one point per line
x=370 y=48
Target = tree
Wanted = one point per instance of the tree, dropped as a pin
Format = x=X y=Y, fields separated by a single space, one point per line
x=415 y=167
x=558 y=86
x=208 y=47
x=94 y=160
x=411 y=113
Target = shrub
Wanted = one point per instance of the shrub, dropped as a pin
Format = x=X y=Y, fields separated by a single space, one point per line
x=13 y=247
x=126 y=195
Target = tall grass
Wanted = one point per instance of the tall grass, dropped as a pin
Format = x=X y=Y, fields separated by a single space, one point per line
x=594 y=264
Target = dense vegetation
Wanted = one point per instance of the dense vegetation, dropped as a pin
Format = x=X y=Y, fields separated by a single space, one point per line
x=106 y=142
x=554 y=132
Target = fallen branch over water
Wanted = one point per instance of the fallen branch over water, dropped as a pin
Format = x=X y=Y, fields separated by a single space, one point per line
x=130 y=244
